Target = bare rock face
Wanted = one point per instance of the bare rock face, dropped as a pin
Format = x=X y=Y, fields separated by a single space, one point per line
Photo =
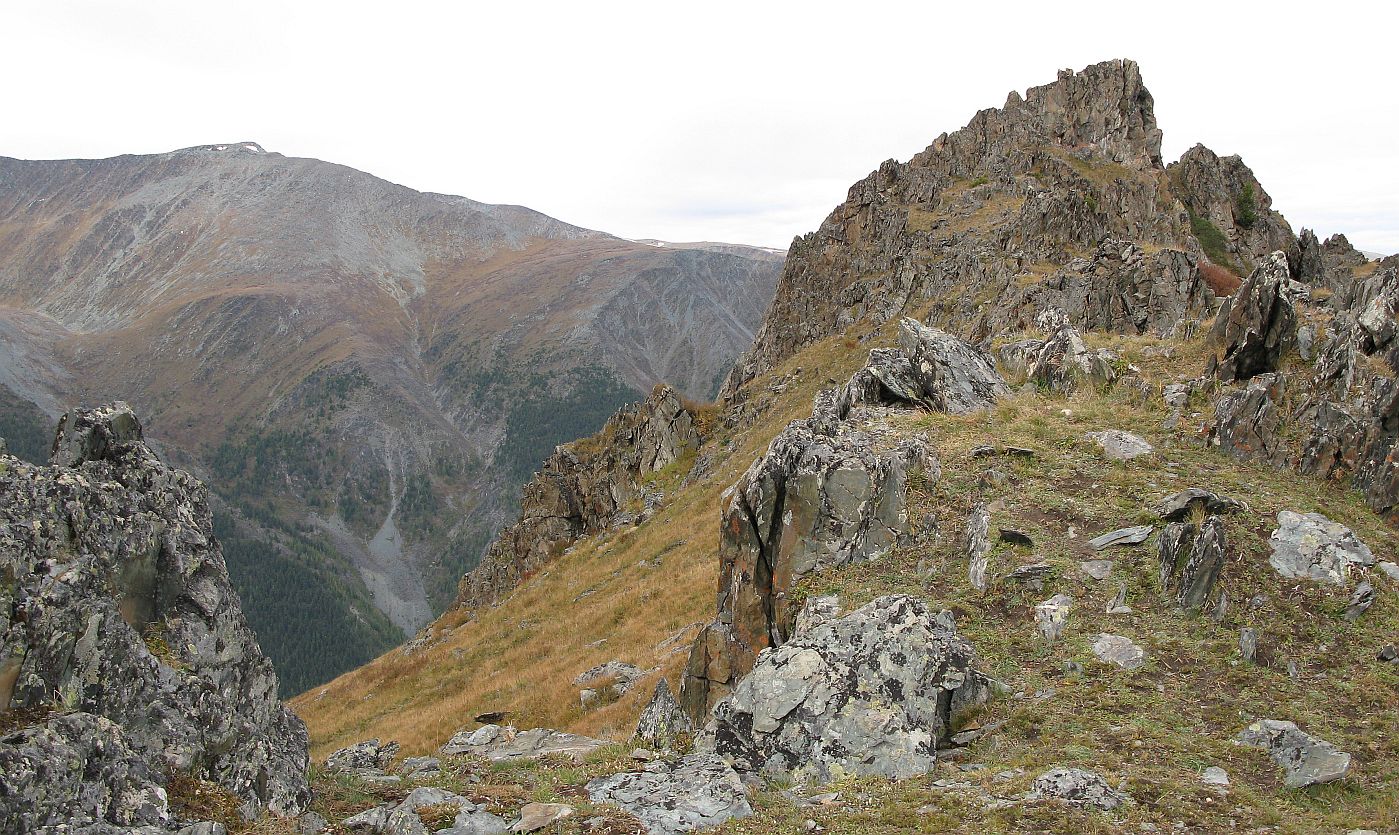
x=583 y=488
x=120 y=606
x=867 y=694
x=1258 y=324
x=77 y=770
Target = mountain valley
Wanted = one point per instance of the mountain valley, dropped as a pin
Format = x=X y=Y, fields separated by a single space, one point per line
x=366 y=374
x=1055 y=489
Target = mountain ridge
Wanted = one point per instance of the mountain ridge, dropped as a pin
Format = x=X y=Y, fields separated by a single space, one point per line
x=1175 y=389
x=365 y=372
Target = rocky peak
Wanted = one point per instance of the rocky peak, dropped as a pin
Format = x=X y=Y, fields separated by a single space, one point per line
x=583 y=488
x=1225 y=198
x=1104 y=110
x=1057 y=199
x=120 y=623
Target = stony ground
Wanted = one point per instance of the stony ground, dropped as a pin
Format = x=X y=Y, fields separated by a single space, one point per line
x=1150 y=731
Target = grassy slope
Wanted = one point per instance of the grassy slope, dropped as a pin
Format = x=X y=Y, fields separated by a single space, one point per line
x=1154 y=728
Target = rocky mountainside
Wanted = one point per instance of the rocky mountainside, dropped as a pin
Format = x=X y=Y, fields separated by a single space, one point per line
x=1054 y=495
x=365 y=373
x=132 y=691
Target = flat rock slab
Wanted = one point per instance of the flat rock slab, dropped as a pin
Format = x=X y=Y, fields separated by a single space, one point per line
x=1097 y=569
x=1115 y=649
x=1118 y=445
x=1306 y=759
x=1308 y=546
x=498 y=744
x=1122 y=536
x=536 y=816
x=697 y=792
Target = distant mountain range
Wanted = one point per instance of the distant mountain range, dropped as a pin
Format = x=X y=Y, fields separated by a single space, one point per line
x=364 y=373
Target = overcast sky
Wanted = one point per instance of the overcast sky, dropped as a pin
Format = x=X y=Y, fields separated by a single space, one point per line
x=741 y=122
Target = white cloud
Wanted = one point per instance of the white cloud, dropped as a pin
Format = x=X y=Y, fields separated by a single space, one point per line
x=733 y=121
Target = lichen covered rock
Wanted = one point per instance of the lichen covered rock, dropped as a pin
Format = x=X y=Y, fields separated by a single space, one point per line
x=867 y=694
x=119 y=605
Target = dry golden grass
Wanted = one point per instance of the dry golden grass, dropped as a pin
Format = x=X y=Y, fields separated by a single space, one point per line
x=596 y=603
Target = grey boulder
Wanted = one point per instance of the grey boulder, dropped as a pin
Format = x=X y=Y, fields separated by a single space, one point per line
x=697 y=792
x=1119 y=445
x=1308 y=546
x=362 y=756
x=1077 y=787
x=662 y=721
x=1117 y=650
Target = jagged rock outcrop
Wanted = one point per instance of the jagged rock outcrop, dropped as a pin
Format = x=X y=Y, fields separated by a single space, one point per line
x=583 y=488
x=662 y=721
x=1331 y=264
x=830 y=491
x=1257 y=325
x=990 y=225
x=1247 y=420
x=1223 y=193
x=930 y=368
x=1190 y=560
x=1346 y=412
x=118 y=604
x=1062 y=361
x=696 y=792
x=868 y=694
